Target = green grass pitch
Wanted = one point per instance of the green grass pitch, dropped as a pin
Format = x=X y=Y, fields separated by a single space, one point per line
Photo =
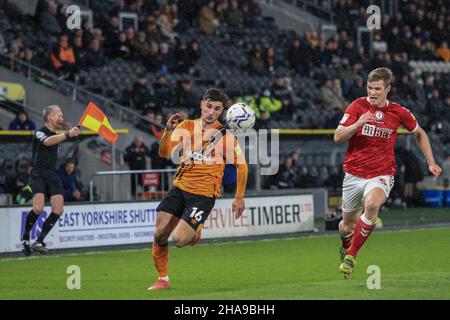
x=414 y=265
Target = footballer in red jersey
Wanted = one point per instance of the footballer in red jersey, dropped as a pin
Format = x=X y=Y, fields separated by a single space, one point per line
x=370 y=126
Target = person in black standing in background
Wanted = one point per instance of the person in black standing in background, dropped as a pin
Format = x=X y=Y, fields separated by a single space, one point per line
x=136 y=156
x=44 y=180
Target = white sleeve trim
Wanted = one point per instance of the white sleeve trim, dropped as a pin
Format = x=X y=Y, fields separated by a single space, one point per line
x=416 y=128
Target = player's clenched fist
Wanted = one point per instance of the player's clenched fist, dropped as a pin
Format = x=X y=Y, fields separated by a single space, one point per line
x=365 y=118
x=435 y=170
x=75 y=131
x=173 y=122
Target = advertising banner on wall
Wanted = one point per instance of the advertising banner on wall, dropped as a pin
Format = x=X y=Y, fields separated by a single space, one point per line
x=92 y=225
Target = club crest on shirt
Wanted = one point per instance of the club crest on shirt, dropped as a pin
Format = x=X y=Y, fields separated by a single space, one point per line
x=379 y=115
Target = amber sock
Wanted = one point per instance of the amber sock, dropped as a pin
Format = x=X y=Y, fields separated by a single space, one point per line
x=161 y=259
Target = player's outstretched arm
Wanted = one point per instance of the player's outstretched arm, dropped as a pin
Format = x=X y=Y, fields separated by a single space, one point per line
x=424 y=144
x=166 y=145
x=57 y=138
x=238 y=205
x=343 y=134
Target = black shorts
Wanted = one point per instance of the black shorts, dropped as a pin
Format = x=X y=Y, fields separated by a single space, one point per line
x=46 y=182
x=192 y=208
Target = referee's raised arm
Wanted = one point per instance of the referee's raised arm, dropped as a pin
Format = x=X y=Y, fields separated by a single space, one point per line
x=57 y=138
x=53 y=120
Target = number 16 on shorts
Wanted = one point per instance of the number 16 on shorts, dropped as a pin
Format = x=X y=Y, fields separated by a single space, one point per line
x=197 y=215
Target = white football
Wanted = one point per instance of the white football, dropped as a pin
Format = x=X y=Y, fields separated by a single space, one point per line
x=240 y=116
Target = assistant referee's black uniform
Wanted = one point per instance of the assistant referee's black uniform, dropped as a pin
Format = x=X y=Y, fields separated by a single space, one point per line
x=43 y=176
x=43 y=180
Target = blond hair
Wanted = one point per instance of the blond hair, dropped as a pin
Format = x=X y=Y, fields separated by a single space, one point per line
x=378 y=74
x=48 y=111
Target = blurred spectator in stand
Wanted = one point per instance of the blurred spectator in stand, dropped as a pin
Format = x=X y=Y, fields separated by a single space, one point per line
x=16 y=49
x=140 y=94
x=111 y=35
x=436 y=108
x=162 y=93
x=233 y=15
x=157 y=131
x=281 y=89
x=269 y=59
x=207 y=20
x=167 y=21
x=28 y=56
x=300 y=57
x=254 y=8
x=69 y=182
x=262 y=122
x=48 y=21
x=344 y=73
x=79 y=51
x=256 y=65
x=121 y=48
x=167 y=58
x=184 y=98
x=137 y=155
x=220 y=12
x=397 y=197
x=97 y=33
x=86 y=28
x=429 y=85
x=63 y=58
x=141 y=46
x=17 y=183
x=413 y=176
x=119 y=6
x=182 y=58
x=187 y=12
x=328 y=97
x=268 y=103
x=21 y=190
x=404 y=88
x=153 y=62
x=357 y=89
x=22 y=122
x=337 y=90
x=287 y=176
x=153 y=33
x=94 y=56
x=149 y=118
x=443 y=52
x=194 y=51
x=131 y=39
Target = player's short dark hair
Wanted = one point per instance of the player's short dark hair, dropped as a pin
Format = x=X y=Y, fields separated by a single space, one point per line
x=213 y=94
x=378 y=74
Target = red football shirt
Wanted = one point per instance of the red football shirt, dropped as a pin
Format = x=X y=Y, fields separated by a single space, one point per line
x=370 y=151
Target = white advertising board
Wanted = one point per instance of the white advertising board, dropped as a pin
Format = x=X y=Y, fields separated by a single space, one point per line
x=89 y=225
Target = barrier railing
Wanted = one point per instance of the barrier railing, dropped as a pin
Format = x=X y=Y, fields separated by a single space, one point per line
x=159 y=183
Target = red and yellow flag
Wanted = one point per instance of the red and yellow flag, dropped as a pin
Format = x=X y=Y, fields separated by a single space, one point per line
x=94 y=119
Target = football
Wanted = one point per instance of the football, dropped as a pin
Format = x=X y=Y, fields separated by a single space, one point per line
x=240 y=116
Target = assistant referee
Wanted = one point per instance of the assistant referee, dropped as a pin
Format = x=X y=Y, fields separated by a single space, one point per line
x=44 y=180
